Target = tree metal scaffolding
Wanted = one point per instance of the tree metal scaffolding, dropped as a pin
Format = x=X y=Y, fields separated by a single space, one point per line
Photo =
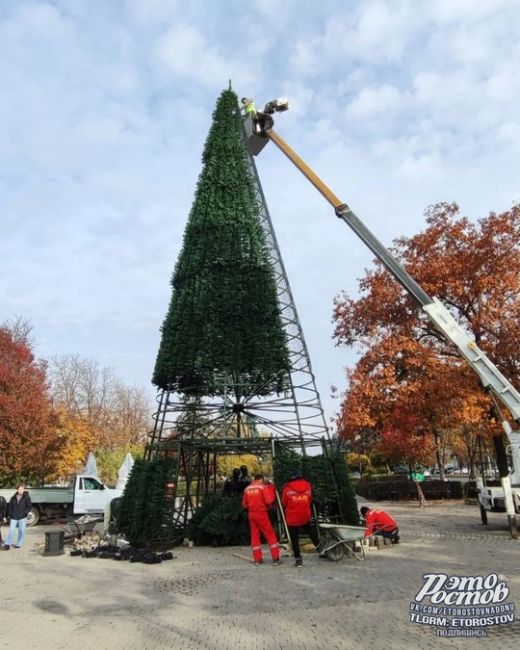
x=294 y=415
x=194 y=429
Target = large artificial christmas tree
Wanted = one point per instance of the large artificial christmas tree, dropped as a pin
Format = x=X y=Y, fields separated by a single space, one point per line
x=223 y=332
x=229 y=383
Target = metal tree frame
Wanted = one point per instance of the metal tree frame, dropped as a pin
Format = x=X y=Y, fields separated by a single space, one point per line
x=195 y=429
x=195 y=463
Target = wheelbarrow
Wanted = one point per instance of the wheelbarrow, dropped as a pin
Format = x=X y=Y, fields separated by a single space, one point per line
x=339 y=539
x=76 y=528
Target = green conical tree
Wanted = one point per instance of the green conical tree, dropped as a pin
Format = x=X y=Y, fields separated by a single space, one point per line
x=223 y=333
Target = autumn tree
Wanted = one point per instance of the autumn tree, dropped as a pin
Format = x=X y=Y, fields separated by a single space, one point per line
x=399 y=381
x=115 y=415
x=77 y=439
x=28 y=441
x=406 y=365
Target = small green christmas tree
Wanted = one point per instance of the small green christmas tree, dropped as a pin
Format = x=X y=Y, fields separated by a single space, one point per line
x=130 y=509
x=223 y=333
x=146 y=510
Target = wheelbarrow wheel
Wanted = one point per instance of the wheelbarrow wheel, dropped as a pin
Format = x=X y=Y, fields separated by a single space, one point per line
x=336 y=553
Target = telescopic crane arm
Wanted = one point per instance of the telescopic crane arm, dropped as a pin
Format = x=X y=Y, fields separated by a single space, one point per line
x=490 y=376
x=259 y=132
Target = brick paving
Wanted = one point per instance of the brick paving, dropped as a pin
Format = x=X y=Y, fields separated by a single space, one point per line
x=208 y=598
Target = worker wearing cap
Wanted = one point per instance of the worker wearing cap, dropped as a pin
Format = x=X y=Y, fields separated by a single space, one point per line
x=296 y=501
x=262 y=121
x=249 y=107
x=258 y=498
x=379 y=522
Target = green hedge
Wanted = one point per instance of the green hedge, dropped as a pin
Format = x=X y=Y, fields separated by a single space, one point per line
x=393 y=488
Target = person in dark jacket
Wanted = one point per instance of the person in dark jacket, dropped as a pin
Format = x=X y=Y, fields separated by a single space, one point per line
x=244 y=478
x=296 y=502
x=3 y=515
x=233 y=486
x=17 y=510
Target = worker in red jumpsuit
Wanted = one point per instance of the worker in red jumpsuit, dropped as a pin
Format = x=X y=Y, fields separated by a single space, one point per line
x=379 y=522
x=296 y=502
x=257 y=499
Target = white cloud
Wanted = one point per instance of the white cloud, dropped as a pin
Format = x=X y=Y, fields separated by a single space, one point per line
x=382 y=29
x=466 y=11
x=421 y=168
x=305 y=57
x=42 y=20
x=374 y=101
x=186 y=53
x=278 y=11
x=300 y=98
x=153 y=10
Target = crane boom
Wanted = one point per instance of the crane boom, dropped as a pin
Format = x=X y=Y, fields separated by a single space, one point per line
x=259 y=132
x=489 y=374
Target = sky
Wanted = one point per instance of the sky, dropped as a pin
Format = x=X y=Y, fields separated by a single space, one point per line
x=105 y=106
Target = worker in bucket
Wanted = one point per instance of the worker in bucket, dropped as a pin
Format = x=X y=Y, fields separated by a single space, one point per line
x=248 y=107
x=258 y=498
x=296 y=502
x=262 y=121
x=379 y=522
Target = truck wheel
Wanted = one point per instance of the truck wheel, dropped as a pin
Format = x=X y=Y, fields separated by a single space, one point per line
x=483 y=515
x=33 y=517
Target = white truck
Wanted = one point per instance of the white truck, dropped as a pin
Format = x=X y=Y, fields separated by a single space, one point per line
x=500 y=498
x=505 y=498
x=86 y=495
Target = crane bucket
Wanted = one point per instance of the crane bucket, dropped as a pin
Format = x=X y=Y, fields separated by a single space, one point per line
x=255 y=143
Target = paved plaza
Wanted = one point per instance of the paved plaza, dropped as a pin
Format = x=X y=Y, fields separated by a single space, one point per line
x=209 y=598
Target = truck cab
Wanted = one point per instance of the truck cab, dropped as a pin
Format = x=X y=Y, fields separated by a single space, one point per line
x=90 y=495
x=491 y=494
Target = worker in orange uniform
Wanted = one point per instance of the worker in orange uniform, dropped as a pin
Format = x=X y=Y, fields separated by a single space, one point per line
x=296 y=501
x=257 y=499
x=379 y=522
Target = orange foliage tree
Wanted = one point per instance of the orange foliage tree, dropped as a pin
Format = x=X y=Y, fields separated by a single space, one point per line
x=77 y=439
x=92 y=397
x=407 y=367
x=28 y=443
